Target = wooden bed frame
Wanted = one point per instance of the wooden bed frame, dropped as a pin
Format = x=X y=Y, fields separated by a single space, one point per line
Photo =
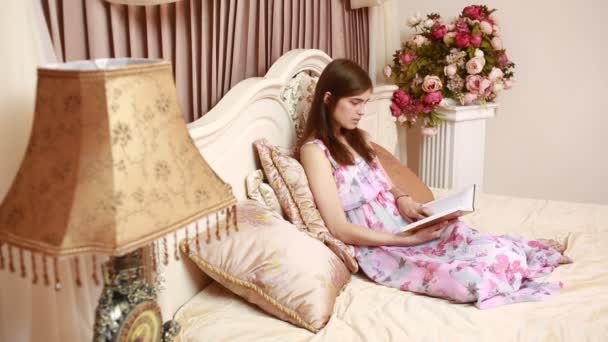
x=256 y=108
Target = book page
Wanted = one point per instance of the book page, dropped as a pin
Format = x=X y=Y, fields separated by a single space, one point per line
x=451 y=207
x=462 y=199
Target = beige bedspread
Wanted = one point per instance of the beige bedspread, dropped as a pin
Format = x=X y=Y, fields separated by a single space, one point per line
x=369 y=312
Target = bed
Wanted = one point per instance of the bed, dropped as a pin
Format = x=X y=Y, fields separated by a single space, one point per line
x=266 y=107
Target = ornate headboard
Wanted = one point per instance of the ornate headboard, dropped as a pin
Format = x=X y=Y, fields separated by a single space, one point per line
x=261 y=107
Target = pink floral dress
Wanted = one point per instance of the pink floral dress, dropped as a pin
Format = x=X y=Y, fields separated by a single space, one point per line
x=463 y=265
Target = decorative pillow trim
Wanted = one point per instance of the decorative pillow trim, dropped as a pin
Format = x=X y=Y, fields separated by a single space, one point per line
x=351 y=265
x=292 y=192
x=208 y=268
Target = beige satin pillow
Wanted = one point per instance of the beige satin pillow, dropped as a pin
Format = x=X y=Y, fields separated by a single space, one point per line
x=291 y=185
x=271 y=264
x=262 y=192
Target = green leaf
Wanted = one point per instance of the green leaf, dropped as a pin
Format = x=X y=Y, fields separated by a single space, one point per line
x=476 y=29
x=471 y=51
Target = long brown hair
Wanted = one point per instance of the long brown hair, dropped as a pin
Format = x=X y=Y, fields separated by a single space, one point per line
x=342 y=78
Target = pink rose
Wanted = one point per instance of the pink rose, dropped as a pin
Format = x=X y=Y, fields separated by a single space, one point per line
x=433 y=98
x=450 y=70
x=438 y=31
x=475 y=65
x=496 y=43
x=508 y=84
x=401 y=98
x=503 y=60
x=472 y=83
x=476 y=40
x=462 y=26
x=395 y=110
x=463 y=39
x=428 y=131
x=486 y=27
x=469 y=98
x=431 y=84
x=406 y=58
x=473 y=12
x=485 y=87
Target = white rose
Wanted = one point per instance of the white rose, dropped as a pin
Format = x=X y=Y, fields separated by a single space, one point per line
x=479 y=53
x=420 y=40
x=402 y=119
x=448 y=39
x=429 y=23
x=495 y=74
x=475 y=65
x=415 y=19
x=498 y=87
x=450 y=70
x=508 y=84
x=387 y=71
x=495 y=30
x=494 y=17
x=485 y=27
x=497 y=43
x=450 y=26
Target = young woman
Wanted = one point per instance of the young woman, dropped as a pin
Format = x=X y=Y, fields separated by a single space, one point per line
x=362 y=208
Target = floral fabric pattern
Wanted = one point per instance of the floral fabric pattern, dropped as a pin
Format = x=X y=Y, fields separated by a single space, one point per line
x=278 y=183
x=463 y=265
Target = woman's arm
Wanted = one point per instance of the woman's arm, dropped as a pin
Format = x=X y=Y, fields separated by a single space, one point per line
x=322 y=184
x=408 y=207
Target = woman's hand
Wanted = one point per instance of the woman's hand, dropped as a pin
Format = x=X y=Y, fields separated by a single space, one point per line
x=425 y=234
x=410 y=209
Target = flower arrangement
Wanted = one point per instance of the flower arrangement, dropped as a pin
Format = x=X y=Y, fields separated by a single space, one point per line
x=463 y=60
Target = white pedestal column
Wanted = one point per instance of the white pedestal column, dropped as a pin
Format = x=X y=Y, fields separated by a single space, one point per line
x=454 y=157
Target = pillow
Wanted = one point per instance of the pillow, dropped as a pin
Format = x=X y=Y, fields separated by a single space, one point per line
x=278 y=184
x=296 y=281
x=297 y=96
x=262 y=192
x=288 y=179
x=402 y=177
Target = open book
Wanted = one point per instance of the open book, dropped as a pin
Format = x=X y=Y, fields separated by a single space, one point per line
x=451 y=207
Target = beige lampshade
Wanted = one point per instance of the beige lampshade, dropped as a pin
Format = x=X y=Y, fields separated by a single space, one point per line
x=110 y=165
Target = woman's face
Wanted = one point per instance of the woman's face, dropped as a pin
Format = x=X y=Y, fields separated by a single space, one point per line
x=349 y=110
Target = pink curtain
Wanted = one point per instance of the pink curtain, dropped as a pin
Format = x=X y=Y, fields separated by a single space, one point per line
x=213 y=44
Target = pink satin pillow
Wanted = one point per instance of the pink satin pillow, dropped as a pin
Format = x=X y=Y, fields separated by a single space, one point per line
x=271 y=264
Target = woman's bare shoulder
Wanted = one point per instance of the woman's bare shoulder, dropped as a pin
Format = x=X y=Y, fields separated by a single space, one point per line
x=310 y=148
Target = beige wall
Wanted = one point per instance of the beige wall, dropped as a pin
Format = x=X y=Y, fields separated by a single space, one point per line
x=23 y=47
x=548 y=140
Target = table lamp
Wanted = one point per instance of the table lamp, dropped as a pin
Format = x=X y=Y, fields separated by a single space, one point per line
x=110 y=168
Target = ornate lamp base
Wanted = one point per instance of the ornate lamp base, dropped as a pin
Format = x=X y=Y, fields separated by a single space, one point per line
x=127 y=309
